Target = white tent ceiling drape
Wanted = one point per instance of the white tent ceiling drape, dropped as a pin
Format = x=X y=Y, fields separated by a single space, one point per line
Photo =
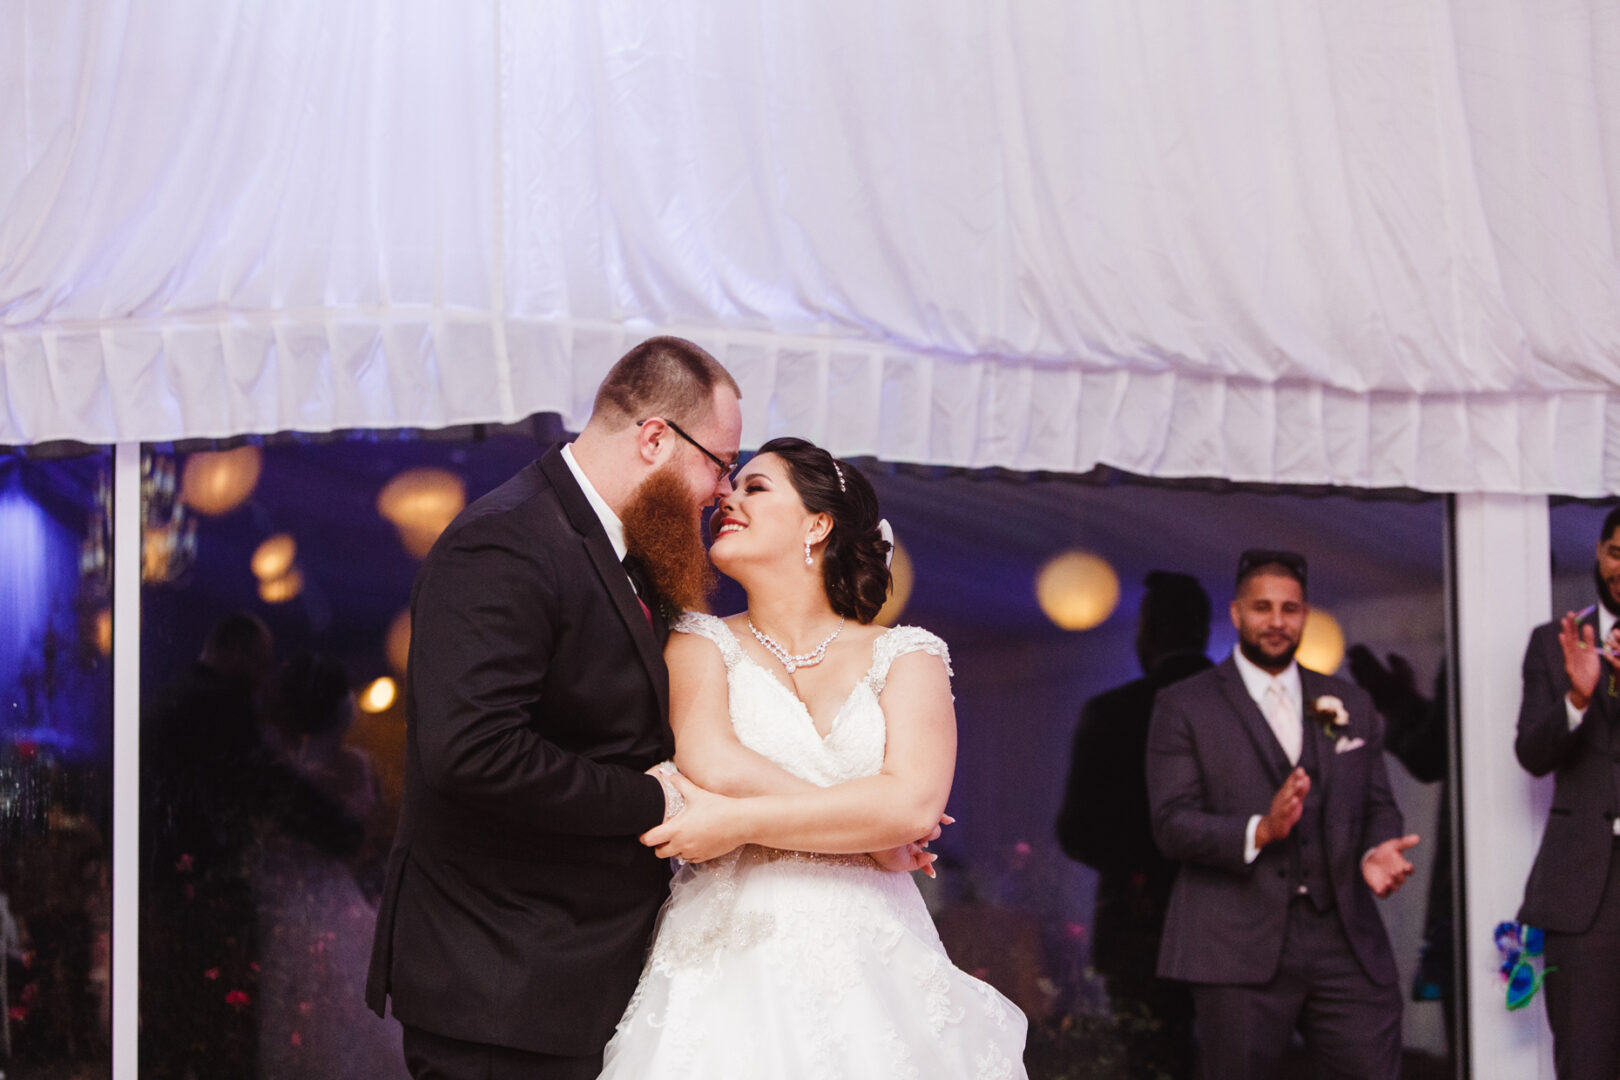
x=1370 y=244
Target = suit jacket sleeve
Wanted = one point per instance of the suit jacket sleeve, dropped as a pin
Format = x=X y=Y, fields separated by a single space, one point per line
x=1185 y=829
x=1544 y=739
x=484 y=633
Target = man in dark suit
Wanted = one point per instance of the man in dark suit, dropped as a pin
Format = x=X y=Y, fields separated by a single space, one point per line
x=1104 y=823
x=1267 y=784
x=1569 y=725
x=518 y=900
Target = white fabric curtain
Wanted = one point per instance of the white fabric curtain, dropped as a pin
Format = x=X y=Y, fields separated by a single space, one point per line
x=1370 y=244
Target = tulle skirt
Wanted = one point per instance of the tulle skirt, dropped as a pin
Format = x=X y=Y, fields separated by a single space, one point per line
x=785 y=965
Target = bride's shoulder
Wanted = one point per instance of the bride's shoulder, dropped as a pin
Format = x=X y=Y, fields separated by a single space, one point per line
x=891 y=644
x=690 y=625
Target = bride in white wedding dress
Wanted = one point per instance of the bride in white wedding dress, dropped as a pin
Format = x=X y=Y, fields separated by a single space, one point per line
x=772 y=961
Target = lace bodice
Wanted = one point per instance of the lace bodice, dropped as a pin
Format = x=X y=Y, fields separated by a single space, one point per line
x=772 y=721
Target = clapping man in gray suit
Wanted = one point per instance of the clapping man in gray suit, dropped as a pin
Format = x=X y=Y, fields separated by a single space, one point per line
x=1267 y=784
x=1569 y=725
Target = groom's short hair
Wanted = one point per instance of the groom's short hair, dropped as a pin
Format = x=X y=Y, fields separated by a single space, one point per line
x=668 y=377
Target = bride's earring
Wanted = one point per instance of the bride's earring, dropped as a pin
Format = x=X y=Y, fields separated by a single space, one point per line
x=808 y=561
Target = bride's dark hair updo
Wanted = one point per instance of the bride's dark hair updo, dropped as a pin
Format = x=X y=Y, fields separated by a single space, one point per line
x=854 y=566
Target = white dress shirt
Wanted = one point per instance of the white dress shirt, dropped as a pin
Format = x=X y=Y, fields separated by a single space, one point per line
x=610 y=521
x=1257 y=682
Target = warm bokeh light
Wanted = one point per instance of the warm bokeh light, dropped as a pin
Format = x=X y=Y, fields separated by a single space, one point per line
x=378 y=696
x=1077 y=590
x=104 y=631
x=420 y=503
x=215 y=482
x=1321 y=647
x=900 y=591
x=398 y=645
x=274 y=557
x=282 y=589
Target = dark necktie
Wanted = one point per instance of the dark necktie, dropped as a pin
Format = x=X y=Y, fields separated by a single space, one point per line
x=643 y=585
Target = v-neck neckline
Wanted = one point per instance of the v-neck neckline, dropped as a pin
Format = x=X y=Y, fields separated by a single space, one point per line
x=804 y=710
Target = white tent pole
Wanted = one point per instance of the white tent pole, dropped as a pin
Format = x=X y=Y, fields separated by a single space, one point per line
x=126 y=754
x=1503 y=590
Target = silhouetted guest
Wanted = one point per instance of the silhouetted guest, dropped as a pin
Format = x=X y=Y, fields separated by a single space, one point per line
x=1104 y=823
x=314 y=921
x=209 y=786
x=1415 y=732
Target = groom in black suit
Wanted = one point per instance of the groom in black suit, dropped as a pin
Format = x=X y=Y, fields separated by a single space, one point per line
x=1267 y=784
x=1569 y=725
x=519 y=900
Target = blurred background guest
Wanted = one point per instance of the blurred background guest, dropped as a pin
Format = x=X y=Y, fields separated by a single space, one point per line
x=314 y=919
x=209 y=786
x=1104 y=823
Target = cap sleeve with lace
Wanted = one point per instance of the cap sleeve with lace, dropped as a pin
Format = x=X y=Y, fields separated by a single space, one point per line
x=713 y=628
x=896 y=643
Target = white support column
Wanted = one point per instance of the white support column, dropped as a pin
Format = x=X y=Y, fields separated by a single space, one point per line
x=126 y=754
x=1504 y=589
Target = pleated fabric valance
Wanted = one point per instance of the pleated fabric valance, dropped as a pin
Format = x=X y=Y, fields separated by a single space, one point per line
x=1370 y=244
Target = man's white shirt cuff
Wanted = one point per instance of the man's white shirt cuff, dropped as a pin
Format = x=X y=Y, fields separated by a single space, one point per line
x=1575 y=715
x=1250 y=852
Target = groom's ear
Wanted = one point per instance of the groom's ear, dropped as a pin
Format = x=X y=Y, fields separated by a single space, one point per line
x=650 y=436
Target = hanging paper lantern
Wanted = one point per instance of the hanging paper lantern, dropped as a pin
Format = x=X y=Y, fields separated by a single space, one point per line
x=420 y=503
x=1321 y=646
x=282 y=589
x=1077 y=590
x=398 y=644
x=215 y=482
x=274 y=557
x=378 y=696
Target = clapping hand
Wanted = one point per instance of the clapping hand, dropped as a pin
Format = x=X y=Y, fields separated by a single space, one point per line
x=1386 y=869
x=1581 y=659
x=1286 y=807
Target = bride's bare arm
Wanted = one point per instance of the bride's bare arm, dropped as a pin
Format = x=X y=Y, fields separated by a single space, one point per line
x=903 y=801
x=706 y=746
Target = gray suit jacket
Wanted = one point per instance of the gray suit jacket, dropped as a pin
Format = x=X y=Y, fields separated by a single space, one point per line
x=1572 y=866
x=1212 y=763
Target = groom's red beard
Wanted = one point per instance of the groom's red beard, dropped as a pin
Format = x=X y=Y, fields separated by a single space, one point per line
x=664 y=531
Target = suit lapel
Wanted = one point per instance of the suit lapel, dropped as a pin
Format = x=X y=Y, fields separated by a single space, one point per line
x=1253 y=721
x=1311 y=687
x=611 y=572
x=1604 y=703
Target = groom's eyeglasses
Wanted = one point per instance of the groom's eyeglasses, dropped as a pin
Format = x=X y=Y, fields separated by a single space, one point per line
x=725 y=469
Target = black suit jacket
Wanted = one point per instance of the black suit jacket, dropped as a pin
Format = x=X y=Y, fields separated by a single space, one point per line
x=518 y=900
x=1567 y=880
x=1212 y=763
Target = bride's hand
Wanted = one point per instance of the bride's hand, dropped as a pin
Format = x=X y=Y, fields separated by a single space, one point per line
x=912 y=856
x=706 y=828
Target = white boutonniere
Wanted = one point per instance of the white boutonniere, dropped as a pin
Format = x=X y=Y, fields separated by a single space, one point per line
x=1331 y=713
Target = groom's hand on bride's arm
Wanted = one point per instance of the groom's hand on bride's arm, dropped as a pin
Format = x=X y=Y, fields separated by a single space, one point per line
x=706 y=827
x=913 y=856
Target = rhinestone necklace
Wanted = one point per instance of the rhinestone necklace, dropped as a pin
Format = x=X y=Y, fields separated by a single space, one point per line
x=794 y=661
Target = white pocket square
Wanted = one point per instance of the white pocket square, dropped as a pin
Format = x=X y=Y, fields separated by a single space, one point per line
x=1347 y=744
